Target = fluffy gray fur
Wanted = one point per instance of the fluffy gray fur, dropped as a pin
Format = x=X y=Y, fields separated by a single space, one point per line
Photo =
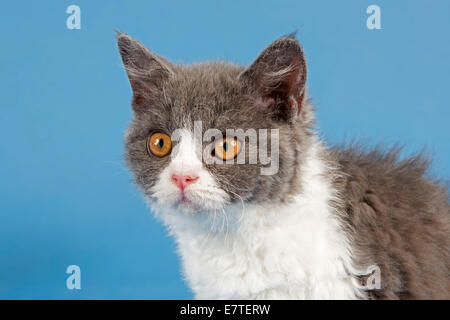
x=395 y=216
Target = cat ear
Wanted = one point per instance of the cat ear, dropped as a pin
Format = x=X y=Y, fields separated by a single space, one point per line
x=146 y=70
x=279 y=76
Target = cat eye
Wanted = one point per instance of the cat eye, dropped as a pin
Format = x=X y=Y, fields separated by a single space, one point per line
x=227 y=148
x=159 y=144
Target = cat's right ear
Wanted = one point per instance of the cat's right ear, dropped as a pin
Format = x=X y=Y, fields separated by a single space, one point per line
x=146 y=70
x=279 y=75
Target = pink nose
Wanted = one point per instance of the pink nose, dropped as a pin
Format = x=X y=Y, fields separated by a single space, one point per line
x=183 y=180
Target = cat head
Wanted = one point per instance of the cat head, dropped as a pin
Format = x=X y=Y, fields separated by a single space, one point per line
x=208 y=135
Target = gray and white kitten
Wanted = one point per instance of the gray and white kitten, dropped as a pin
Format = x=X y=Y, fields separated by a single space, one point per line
x=326 y=224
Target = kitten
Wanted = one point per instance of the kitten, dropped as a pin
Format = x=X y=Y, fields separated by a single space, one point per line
x=324 y=223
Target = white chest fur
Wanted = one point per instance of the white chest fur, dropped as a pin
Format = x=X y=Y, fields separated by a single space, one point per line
x=290 y=251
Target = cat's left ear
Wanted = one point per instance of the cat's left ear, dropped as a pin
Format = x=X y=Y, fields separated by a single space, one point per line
x=279 y=76
x=146 y=71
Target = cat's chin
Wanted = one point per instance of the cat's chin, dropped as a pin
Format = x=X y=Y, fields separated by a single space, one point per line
x=185 y=205
x=192 y=201
x=188 y=206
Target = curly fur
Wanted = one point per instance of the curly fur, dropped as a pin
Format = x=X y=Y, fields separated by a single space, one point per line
x=305 y=232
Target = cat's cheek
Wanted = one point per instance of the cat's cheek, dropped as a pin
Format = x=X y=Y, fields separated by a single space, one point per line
x=164 y=191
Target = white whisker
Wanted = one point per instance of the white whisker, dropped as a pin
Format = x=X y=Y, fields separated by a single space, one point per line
x=226 y=218
x=243 y=208
x=211 y=228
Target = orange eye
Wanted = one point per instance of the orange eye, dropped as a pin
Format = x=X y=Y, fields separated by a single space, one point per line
x=159 y=144
x=227 y=148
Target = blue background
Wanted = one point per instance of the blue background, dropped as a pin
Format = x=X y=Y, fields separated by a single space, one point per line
x=66 y=196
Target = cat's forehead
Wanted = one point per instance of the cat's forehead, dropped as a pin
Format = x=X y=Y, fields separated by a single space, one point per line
x=207 y=92
x=206 y=83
